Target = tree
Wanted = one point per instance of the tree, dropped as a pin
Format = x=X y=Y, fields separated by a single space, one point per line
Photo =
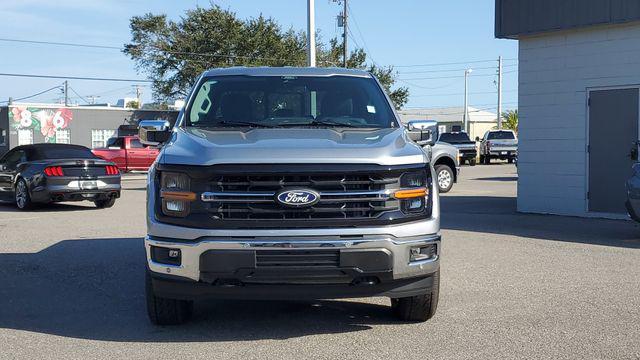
x=358 y=60
x=173 y=53
x=510 y=120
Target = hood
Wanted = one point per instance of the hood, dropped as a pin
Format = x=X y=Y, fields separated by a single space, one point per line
x=193 y=146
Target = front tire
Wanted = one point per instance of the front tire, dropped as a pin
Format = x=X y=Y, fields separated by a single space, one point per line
x=103 y=204
x=418 y=308
x=163 y=311
x=472 y=162
x=445 y=178
x=487 y=160
x=22 y=196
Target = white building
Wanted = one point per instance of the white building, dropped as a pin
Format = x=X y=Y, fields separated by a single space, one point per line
x=579 y=80
x=449 y=117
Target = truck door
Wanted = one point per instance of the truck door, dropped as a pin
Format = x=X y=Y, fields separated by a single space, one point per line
x=136 y=154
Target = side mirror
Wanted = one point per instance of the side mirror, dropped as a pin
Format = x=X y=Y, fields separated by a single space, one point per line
x=2 y=167
x=477 y=138
x=423 y=132
x=154 y=132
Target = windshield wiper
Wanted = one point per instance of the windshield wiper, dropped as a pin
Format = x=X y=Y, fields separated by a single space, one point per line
x=243 y=123
x=332 y=123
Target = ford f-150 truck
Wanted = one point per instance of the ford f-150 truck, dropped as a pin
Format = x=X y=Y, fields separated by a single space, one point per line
x=466 y=147
x=498 y=144
x=291 y=183
x=128 y=153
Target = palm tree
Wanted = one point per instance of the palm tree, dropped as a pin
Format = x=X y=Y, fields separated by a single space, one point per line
x=510 y=120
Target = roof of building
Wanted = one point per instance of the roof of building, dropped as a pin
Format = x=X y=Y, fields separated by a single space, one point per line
x=448 y=115
x=286 y=71
x=515 y=18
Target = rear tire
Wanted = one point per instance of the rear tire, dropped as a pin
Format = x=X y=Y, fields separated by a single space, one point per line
x=420 y=307
x=510 y=160
x=487 y=160
x=472 y=162
x=103 y=204
x=22 y=196
x=163 y=311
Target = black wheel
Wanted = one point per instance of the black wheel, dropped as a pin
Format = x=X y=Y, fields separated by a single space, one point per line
x=22 y=196
x=472 y=162
x=510 y=160
x=163 y=311
x=487 y=160
x=103 y=204
x=462 y=162
x=445 y=178
x=419 y=307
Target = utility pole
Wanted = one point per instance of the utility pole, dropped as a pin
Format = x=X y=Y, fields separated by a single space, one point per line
x=138 y=96
x=311 y=34
x=500 y=92
x=345 y=49
x=66 y=93
x=466 y=99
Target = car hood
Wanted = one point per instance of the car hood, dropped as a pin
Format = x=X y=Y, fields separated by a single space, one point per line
x=193 y=146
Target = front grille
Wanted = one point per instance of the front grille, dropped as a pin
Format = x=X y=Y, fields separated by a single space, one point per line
x=245 y=196
x=342 y=196
x=297 y=258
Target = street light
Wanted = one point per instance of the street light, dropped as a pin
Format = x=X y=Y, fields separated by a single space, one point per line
x=466 y=99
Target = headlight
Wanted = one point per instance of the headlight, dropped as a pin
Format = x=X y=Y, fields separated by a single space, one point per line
x=175 y=194
x=414 y=199
x=414 y=179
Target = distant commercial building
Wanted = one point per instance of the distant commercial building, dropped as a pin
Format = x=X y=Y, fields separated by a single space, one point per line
x=579 y=96
x=451 y=119
x=90 y=126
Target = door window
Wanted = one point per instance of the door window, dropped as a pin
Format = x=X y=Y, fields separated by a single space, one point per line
x=136 y=144
x=12 y=159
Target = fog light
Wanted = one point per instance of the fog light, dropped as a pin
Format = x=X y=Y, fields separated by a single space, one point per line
x=166 y=256
x=176 y=206
x=422 y=253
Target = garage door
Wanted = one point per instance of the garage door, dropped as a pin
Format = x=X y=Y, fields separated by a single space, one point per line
x=613 y=131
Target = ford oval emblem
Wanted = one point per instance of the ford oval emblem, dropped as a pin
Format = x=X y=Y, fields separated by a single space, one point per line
x=298 y=197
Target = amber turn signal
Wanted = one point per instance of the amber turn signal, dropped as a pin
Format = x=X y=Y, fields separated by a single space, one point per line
x=408 y=194
x=178 y=195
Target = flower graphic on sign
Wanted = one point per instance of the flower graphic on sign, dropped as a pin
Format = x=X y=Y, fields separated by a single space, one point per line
x=45 y=120
x=52 y=121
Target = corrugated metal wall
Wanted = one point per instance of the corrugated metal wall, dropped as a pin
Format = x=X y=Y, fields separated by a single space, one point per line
x=521 y=17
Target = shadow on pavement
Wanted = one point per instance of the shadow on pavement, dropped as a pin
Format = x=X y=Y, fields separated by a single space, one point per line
x=497 y=215
x=94 y=289
x=498 y=178
x=39 y=208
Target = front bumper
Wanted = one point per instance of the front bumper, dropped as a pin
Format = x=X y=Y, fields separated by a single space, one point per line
x=230 y=268
x=503 y=153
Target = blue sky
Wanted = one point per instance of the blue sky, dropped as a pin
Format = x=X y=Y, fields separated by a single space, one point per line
x=402 y=33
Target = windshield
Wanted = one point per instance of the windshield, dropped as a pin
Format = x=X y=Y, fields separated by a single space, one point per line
x=500 y=135
x=454 y=137
x=271 y=101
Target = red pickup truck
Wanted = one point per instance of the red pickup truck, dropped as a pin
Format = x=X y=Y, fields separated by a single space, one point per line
x=128 y=153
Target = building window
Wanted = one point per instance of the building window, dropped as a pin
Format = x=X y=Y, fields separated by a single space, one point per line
x=25 y=136
x=63 y=136
x=99 y=137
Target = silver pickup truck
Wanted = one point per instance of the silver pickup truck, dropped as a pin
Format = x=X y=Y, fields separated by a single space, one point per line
x=498 y=144
x=290 y=183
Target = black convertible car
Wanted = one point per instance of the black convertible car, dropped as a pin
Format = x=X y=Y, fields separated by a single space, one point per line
x=45 y=173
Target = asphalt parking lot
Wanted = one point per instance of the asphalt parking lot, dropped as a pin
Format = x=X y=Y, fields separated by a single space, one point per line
x=513 y=286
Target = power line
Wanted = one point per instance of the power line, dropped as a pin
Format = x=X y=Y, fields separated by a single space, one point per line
x=452 y=70
x=80 y=96
x=37 y=94
x=456 y=76
x=452 y=63
x=73 y=77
